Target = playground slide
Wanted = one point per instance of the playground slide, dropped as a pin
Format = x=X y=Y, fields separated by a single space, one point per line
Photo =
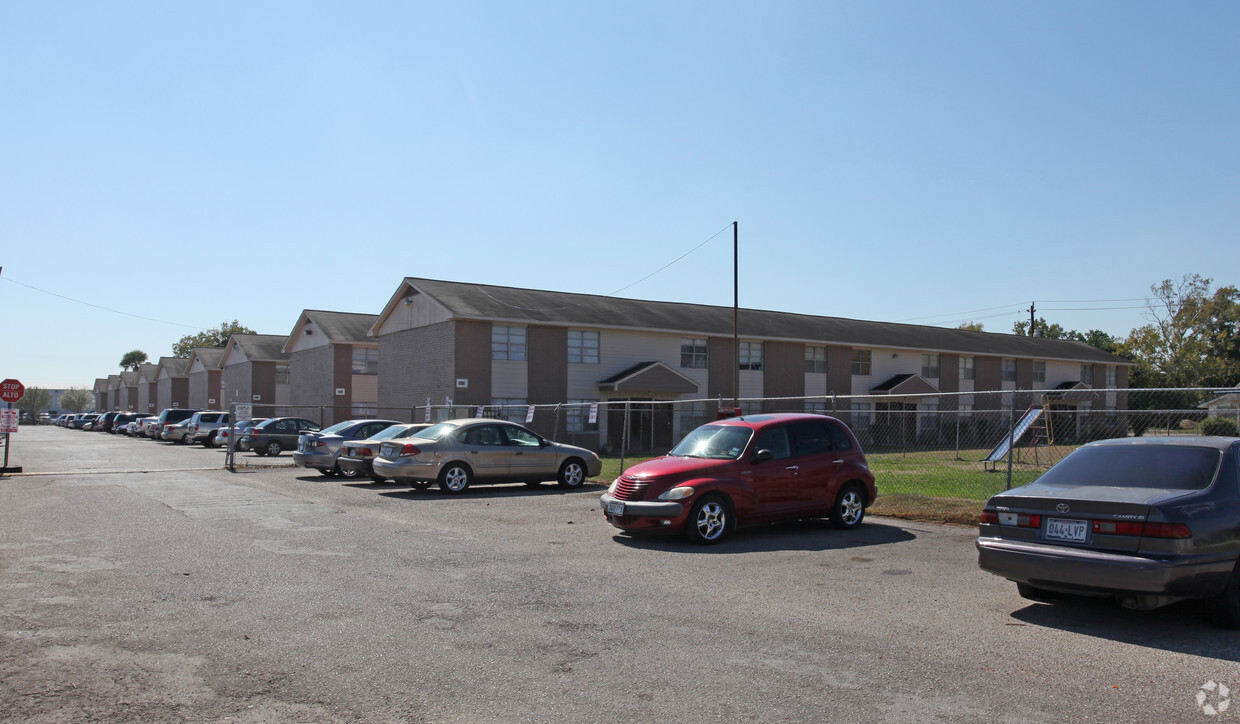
x=1018 y=432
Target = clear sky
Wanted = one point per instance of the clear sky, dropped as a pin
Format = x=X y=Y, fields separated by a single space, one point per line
x=168 y=166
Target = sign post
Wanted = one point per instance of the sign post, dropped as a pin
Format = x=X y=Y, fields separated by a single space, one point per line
x=10 y=391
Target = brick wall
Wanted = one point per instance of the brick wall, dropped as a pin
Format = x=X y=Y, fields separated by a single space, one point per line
x=415 y=364
x=311 y=377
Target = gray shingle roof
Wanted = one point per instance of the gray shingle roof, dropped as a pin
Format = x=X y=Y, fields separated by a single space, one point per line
x=479 y=301
x=262 y=347
x=175 y=366
x=209 y=356
x=343 y=326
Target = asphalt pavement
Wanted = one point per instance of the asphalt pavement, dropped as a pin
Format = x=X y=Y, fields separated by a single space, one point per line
x=139 y=581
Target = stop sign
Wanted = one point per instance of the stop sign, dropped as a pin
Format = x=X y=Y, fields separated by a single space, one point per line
x=11 y=390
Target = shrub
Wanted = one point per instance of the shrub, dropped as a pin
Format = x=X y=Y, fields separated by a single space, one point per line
x=1218 y=426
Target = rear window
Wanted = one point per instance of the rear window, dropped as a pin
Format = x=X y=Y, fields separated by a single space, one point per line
x=720 y=442
x=1137 y=466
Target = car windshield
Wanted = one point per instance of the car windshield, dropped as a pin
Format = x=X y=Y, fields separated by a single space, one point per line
x=1137 y=466
x=338 y=427
x=720 y=442
x=434 y=432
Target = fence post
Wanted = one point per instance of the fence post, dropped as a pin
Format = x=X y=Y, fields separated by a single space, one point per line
x=957 y=416
x=1011 y=440
x=624 y=435
x=231 y=455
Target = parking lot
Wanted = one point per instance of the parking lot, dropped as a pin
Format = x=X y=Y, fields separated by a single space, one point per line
x=139 y=581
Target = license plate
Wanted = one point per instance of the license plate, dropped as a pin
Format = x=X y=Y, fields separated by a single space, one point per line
x=1074 y=531
x=615 y=507
x=385 y=451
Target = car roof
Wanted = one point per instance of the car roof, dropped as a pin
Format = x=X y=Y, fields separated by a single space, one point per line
x=1218 y=443
x=768 y=418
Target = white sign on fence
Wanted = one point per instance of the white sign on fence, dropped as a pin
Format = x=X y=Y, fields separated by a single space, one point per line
x=529 y=415
x=593 y=412
x=245 y=412
x=8 y=420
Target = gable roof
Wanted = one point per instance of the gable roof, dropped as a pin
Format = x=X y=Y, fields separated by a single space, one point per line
x=340 y=327
x=258 y=347
x=209 y=356
x=147 y=371
x=649 y=377
x=533 y=306
x=174 y=366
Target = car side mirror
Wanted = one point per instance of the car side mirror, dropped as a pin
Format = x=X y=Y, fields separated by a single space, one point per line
x=763 y=455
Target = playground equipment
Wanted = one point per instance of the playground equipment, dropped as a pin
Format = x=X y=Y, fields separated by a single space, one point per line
x=1036 y=423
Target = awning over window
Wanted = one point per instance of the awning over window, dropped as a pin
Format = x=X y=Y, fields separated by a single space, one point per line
x=905 y=385
x=649 y=377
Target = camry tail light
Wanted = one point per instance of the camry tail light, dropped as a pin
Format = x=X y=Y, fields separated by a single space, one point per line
x=408 y=451
x=362 y=452
x=1166 y=530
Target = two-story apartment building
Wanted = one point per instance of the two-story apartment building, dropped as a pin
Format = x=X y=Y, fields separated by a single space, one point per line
x=172 y=384
x=254 y=370
x=490 y=345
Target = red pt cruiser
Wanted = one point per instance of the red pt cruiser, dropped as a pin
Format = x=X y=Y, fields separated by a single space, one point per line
x=745 y=471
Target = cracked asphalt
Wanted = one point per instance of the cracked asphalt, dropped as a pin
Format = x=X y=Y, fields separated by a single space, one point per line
x=141 y=582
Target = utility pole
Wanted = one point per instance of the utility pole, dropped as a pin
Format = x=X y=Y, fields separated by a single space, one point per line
x=1032 y=308
x=736 y=303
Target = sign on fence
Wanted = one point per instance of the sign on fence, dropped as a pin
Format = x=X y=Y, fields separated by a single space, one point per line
x=8 y=420
x=245 y=412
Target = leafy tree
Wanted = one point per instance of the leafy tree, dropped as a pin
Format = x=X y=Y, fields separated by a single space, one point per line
x=1190 y=340
x=132 y=359
x=76 y=399
x=971 y=326
x=36 y=401
x=1047 y=330
x=209 y=338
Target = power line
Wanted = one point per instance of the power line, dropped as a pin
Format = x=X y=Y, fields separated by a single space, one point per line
x=96 y=306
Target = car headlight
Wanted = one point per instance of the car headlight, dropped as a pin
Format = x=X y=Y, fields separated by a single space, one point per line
x=677 y=493
x=611 y=489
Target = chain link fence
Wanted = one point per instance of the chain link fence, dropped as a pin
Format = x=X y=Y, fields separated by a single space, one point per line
x=961 y=446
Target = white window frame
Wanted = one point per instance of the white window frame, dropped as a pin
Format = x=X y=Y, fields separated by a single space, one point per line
x=583 y=347
x=816 y=358
x=365 y=360
x=930 y=366
x=1008 y=370
x=695 y=351
x=508 y=342
x=862 y=362
x=750 y=356
x=1039 y=371
x=967 y=369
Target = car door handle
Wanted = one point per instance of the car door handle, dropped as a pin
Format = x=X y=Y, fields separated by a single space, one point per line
x=837 y=462
x=518 y=453
x=793 y=467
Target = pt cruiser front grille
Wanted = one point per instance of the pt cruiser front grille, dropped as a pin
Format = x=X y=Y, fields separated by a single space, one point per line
x=629 y=489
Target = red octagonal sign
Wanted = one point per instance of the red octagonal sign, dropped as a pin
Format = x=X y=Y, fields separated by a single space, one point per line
x=12 y=390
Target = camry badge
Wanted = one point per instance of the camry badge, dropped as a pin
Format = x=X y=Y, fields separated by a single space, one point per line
x=1062 y=507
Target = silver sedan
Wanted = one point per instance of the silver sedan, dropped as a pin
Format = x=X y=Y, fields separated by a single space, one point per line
x=459 y=453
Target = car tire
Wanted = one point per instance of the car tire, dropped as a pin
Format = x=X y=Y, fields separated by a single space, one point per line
x=455 y=478
x=274 y=448
x=532 y=483
x=210 y=441
x=709 y=520
x=420 y=485
x=185 y=439
x=572 y=474
x=327 y=472
x=378 y=479
x=260 y=452
x=848 y=510
x=1224 y=609
x=348 y=474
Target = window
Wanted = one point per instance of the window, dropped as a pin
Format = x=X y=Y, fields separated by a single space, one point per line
x=1009 y=370
x=507 y=408
x=1087 y=374
x=861 y=362
x=484 y=435
x=751 y=355
x=582 y=347
x=692 y=416
x=365 y=360
x=364 y=409
x=693 y=354
x=1112 y=376
x=861 y=415
x=930 y=366
x=966 y=368
x=577 y=416
x=815 y=358
x=815 y=408
x=927 y=416
x=966 y=410
x=751 y=408
x=281 y=374
x=775 y=440
x=1039 y=372
x=812 y=438
x=507 y=342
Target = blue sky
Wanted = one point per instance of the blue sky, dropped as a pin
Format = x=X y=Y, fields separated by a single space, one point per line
x=897 y=161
